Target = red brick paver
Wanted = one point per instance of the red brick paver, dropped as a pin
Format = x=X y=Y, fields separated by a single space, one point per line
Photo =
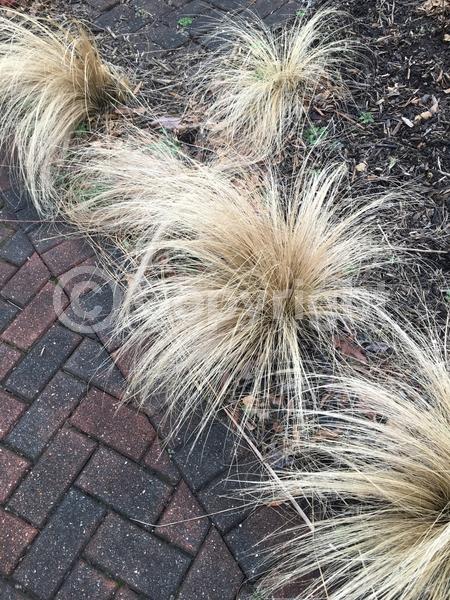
x=10 y=411
x=120 y=427
x=12 y=467
x=15 y=535
x=179 y=524
x=33 y=320
x=28 y=280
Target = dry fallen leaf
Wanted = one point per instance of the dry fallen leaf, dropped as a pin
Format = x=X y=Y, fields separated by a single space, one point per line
x=407 y=121
x=350 y=348
x=248 y=402
x=169 y=123
x=435 y=106
x=361 y=167
x=435 y=7
x=325 y=434
x=424 y=116
x=129 y=110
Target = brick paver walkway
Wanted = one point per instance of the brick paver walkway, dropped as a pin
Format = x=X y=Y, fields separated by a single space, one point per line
x=82 y=482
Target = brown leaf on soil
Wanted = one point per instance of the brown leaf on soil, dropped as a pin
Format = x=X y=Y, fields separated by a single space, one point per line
x=129 y=110
x=428 y=114
x=325 y=434
x=350 y=348
x=424 y=116
x=170 y=123
x=435 y=7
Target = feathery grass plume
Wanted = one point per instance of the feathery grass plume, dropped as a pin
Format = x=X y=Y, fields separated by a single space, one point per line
x=382 y=486
x=234 y=287
x=258 y=85
x=52 y=80
x=130 y=186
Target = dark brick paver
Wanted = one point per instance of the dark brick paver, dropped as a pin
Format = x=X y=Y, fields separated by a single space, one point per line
x=46 y=415
x=16 y=249
x=7 y=313
x=248 y=541
x=146 y=563
x=53 y=551
x=215 y=573
x=8 y=358
x=127 y=487
x=93 y=504
x=51 y=476
x=92 y=363
x=125 y=594
x=86 y=583
x=159 y=461
x=7 y=270
x=42 y=362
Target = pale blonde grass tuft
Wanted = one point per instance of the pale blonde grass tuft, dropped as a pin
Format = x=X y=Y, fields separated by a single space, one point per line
x=235 y=286
x=52 y=80
x=381 y=489
x=257 y=86
x=131 y=186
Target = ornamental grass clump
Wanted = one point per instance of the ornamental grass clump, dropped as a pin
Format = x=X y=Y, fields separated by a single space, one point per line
x=139 y=185
x=52 y=80
x=378 y=476
x=235 y=285
x=258 y=84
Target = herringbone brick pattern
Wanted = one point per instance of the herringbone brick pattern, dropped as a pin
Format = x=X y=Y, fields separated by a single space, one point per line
x=91 y=506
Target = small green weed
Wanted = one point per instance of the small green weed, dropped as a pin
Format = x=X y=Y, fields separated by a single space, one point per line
x=314 y=134
x=301 y=13
x=185 y=21
x=366 y=118
x=81 y=129
x=166 y=145
x=259 y=75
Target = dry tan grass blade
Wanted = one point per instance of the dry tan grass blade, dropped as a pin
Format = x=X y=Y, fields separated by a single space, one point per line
x=51 y=80
x=237 y=286
x=127 y=186
x=383 y=486
x=258 y=85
